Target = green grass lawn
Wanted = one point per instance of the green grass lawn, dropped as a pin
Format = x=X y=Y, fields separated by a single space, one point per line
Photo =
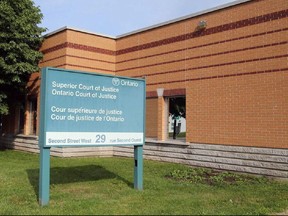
x=105 y=186
x=182 y=134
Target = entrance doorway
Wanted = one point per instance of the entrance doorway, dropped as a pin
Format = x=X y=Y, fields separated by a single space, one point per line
x=177 y=117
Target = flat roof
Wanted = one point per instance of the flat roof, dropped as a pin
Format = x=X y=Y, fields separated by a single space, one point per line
x=78 y=30
x=220 y=7
x=185 y=17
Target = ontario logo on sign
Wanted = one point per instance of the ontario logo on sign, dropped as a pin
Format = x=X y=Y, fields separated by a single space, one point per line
x=90 y=109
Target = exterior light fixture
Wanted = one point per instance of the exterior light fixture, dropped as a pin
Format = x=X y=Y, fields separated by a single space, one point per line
x=160 y=92
x=201 y=25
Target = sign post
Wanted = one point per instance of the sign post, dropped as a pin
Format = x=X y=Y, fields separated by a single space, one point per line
x=138 y=167
x=89 y=109
x=44 y=177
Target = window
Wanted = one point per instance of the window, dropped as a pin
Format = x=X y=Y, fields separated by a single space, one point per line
x=177 y=117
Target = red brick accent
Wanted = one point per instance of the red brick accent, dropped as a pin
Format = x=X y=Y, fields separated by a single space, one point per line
x=202 y=56
x=81 y=66
x=74 y=56
x=205 y=45
x=80 y=47
x=209 y=31
x=223 y=76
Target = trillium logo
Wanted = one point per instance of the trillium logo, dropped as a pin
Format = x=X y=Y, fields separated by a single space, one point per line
x=115 y=81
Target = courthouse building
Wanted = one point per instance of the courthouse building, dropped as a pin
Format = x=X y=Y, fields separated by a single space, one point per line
x=229 y=63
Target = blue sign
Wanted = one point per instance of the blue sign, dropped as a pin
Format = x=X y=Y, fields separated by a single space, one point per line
x=90 y=109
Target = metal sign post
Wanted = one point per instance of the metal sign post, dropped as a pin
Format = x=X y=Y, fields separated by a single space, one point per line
x=89 y=109
x=138 y=167
x=44 y=178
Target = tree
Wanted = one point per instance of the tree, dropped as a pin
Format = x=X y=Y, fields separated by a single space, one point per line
x=20 y=40
x=177 y=109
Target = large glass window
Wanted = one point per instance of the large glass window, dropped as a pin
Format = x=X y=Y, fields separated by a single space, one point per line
x=177 y=117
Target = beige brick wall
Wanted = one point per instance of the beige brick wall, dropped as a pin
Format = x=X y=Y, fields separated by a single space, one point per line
x=75 y=50
x=71 y=49
x=246 y=110
x=234 y=72
x=151 y=118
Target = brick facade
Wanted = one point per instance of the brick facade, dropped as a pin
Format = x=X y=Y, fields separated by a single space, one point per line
x=233 y=73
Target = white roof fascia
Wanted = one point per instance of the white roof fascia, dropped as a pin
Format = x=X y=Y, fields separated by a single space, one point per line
x=153 y=26
x=184 y=17
x=79 y=30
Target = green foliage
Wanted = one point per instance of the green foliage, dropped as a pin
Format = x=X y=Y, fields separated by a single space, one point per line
x=177 y=107
x=20 y=40
x=3 y=104
x=213 y=177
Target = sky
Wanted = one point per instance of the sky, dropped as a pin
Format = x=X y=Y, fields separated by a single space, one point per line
x=117 y=17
